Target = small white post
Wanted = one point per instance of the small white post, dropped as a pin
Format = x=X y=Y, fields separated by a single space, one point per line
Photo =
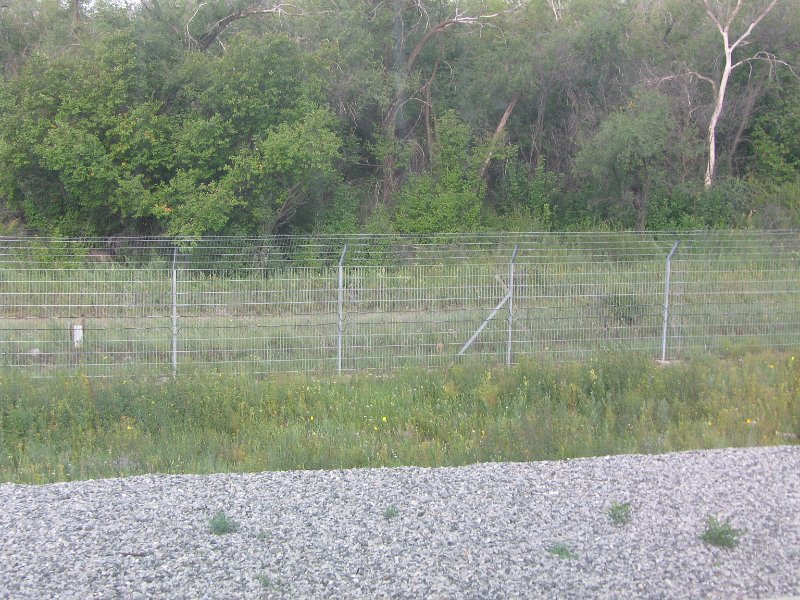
x=76 y=333
x=175 y=312
x=341 y=313
x=666 y=301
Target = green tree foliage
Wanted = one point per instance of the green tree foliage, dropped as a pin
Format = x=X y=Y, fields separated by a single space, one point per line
x=97 y=141
x=190 y=117
x=59 y=120
x=776 y=159
x=448 y=198
x=776 y=137
x=622 y=161
x=527 y=200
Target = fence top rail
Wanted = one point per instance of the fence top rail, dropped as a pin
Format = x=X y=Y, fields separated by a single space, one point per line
x=275 y=252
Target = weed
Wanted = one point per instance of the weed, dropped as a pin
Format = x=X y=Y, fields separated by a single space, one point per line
x=266 y=582
x=221 y=524
x=721 y=533
x=561 y=550
x=262 y=536
x=391 y=512
x=620 y=513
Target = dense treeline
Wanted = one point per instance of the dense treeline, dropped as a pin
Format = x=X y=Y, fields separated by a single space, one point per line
x=251 y=117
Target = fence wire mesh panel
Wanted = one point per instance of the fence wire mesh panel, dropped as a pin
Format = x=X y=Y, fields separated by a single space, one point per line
x=351 y=303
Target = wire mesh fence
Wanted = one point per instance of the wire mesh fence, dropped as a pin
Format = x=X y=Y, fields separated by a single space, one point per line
x=351 y=303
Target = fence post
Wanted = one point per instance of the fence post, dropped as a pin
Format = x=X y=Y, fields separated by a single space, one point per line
x=175 y=312
x=666 y=300
x=341 y=312
x=511 y=303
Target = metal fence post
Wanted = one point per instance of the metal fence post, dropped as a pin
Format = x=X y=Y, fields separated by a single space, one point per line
x=666 y=300
x=341 y=312
x=175 y=312
x=511 y=303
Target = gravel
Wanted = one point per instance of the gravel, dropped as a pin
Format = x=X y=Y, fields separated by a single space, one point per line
x=481 y=531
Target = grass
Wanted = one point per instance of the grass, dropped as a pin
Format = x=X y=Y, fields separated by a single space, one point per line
x=721 y=533
x=561 y=550
x=266 y=582
x=221 y=524
x=391 y=512
x=66 y=428
x=620 y=513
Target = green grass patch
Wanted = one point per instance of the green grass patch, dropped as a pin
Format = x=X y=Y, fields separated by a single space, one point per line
x=65 y=428
x=220 y=524
x=266 y=583
x=620 y=513
x=721 y=533
x=561 y=550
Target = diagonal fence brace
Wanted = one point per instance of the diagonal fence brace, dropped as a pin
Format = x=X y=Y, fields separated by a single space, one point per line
x=485 y=323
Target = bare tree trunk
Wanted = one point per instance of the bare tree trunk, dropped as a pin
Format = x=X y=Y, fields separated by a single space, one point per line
x=719 y=102
x=537 y=133
x=744 y=121
x=723 y=26
x=389 y=125
x=77 y=11
x=426 y=109
x=557 y=6
x=498 y=133
x=389 y=162
x=641 y=199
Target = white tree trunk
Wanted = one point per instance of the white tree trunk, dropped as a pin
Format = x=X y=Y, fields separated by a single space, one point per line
x=723 y=24
x=719 y=101
x=557 y=6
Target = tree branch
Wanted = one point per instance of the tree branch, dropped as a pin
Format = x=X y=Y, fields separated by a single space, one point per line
x=657 y=81
x=733 y=14
x=214 y=31
x=457 y=19
x=155 y=12
x=713 y=17
x=557 y=6
x=288 y=209
x=189 y=22
x=757 y=20
x=703 y=78
x=767 y=57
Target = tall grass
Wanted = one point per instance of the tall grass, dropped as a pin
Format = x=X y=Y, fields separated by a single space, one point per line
x=67 y=428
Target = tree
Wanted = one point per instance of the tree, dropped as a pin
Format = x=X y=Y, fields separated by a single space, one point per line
x=27 y=25
x=222 y=116
x=252 y=144
x=623 y=161
x=64 y=134
x=776 y=138
x=449 y=197
x=555 y=72
x=725 y=18
x=77 y=11
x=121 y=134
x=200 y=24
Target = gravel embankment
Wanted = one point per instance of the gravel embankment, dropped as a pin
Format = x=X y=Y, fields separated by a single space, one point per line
x=480 y=531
